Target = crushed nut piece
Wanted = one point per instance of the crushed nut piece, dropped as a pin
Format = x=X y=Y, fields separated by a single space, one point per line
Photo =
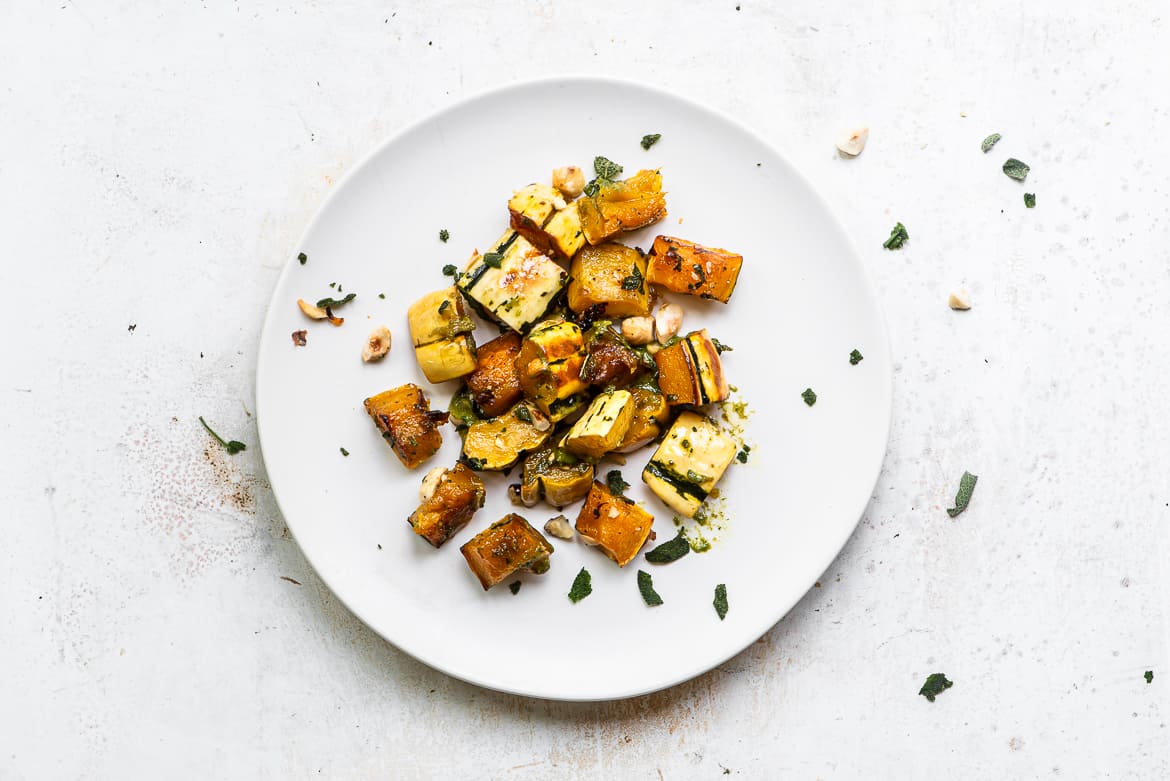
x=314 y=312
x=569 y=180
x=539 y=421
x=430 y=483
x=613 y=512
x=377 y=345
x=853 y=141
x=667 y=321
x=299 y=339
x=638 y=330
x=559 y=527
x=959 y=300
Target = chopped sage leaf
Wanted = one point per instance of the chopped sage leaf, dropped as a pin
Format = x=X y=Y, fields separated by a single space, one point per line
x=898 y=237
x=303 y=258
x=493 y=259
x=721 y=348
x=669 y=551
x=855 y=358
x=382 y=295
x=1149 y=676
x=633 y=281
x=449 y=270
x=720 y=602
x=606 y=168
x=990 y=141
x=966 y=488
x=334 y=302
x=1030 y=200
x=582 y=586
x=232 y=446
x=523 y=414
x=514 y=586
x=936 y=684
x=1016 y=169
x=810 y=398
x=742 y=455
x=444 y=235
x=650 y=140
x=344 y=452
x=646 y=587
x=617 y=486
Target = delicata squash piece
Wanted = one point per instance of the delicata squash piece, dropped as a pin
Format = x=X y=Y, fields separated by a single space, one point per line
x=622 y=206
x=688 y=463
x=514 y=284
x=602 y=427
x=690 y=371
x=549 y=365
x=650 y=413
x=500 y=442
x=682 y=266
x=539 y=214
x=457 y=494
x=495 y=384
x=408 y=425
x=613 y=523
x=555 y=476
x=440 y=329
x=609 y=360
x=612 y=276
x=504 y=548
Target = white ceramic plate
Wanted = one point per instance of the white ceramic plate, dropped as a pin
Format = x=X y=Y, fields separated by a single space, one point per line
x=802 y=304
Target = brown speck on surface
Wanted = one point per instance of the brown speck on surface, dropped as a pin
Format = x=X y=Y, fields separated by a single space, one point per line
x=817 y=584
x=290 y=580
x=1015 y=744
x=299 y=339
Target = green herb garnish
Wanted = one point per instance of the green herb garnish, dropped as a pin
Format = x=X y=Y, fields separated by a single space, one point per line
x=382 y=296
x=936 y=684
x=514 y=586
x=475 y=463
x=1016 y=169
x=606 y=168
x=990 y=141
x=335 y=302
x=582 y=586
x=809 y=397
x=303 y=258
x=669 y=551
x=742 y=455
x=633 y=281
x=1149 y=676
x=523 y=414
x=617 y=486
x=493 y=259
x=344 y=452
x=720 y=602
x=855 y=358
x=232 y=446
x=449 y=270
x=646 y=587
x=563 y=457
x=966 y=487
x=444 y=235
x=898 y=237
x=443 y=307
x=720 y=347
x=1030 y=200
x=650 y=140
x=695 y=477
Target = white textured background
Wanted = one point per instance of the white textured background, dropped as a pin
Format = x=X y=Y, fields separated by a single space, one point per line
x=161 y=159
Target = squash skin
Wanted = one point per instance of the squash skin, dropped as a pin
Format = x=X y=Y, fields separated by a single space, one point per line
x=690 y=371
x=495 y=384
x=613 y=523
x=682 y=266
x=598 y=278
x=650 y=414
x=497 y=444
x=408 y=425
x=504 y=548
x=549 y=365
x=458 y=495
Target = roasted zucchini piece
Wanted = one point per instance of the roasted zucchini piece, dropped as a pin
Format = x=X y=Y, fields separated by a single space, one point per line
x=690 y=371
x=495 y=384
x=650 y=413
x=555 y=476
x=602 y=427
x=689 y=462
x=611 y=276
x=613 y=523
x=500 y=442
x=609 y=360
x=549 y=365
x=514 y=284
x=455 y=496
x=406 y=421
x=622 y=206
x=685 y=267
x=440 y=329
x=504 y=548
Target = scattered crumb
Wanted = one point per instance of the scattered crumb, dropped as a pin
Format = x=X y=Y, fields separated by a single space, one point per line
x=298 y=337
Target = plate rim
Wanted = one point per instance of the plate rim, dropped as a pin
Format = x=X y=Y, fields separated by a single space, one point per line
x=853 y=259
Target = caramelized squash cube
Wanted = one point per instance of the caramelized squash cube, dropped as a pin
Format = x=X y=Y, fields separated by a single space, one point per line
x=504 y=548
x=457 y=496
x=406 y=421
x=622 y=206
x=495 y=384
x=613 y=523
x=612 y=276
x=683 y=266
x=500 y=442
x=650 y=413
x=690 y=371
x=440 y=329
x=549 y=365
x=557 y=480
x=603 y=425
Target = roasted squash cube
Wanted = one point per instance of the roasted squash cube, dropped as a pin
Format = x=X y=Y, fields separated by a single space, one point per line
x=685 y=267
x=612 y=276
x=502 y=441
x=564 y=233
x=495 y=384
x=514 y=284
x=549 y=364
x=555 y=476
x=609 y=360
x=532 y=206
x=613 y=523
x=406 y=421
x=622 y=206
x=458 y=494
x=650 y=413
x=440 y=329
x=688 y=463
x=690 y=371
x=603 y=425
x=504 y=548
x=447 y=359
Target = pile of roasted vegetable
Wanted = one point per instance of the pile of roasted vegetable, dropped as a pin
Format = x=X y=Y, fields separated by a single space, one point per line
x=583 y=369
